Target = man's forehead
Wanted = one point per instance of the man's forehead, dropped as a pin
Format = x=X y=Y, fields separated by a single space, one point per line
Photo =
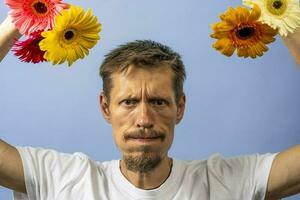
x=142 y=74
x=155 y=82
x=132 y=70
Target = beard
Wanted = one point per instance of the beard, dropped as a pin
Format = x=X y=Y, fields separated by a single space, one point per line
x=142 y=163
x=143 y=159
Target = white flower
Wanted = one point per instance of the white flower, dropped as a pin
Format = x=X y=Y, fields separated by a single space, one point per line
x=283 y=15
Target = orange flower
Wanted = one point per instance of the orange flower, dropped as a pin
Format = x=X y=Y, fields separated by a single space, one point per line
x=240 y=29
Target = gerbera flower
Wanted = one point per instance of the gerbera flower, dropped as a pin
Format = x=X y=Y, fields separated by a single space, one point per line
x=75 y=32
x=240 y=29
x=29 y=50
x=34 y=15
x=283 y=15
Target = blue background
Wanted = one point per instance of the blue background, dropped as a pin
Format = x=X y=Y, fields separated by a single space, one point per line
x=235 y=106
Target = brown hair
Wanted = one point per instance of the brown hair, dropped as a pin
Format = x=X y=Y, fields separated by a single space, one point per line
x=142 y=53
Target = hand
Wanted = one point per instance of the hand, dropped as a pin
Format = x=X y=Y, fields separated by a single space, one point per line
x=292 y=41
x=8 y=34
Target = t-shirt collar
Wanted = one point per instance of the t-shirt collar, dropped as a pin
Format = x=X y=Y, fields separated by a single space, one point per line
x=123 y=184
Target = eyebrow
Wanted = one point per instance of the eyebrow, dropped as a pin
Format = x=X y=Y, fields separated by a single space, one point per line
x=159 y=97
x=154 y=97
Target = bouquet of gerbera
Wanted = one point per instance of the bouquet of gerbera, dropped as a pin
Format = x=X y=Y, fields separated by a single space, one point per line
x=249 y=31
x=56 y=31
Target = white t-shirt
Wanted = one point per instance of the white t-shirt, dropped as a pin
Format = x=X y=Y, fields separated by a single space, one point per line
x=50 y=175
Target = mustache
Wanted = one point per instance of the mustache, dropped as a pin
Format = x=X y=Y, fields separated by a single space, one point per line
x=144 y=134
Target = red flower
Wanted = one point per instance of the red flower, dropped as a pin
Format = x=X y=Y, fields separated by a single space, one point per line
x=34 y=15
x=29 y=50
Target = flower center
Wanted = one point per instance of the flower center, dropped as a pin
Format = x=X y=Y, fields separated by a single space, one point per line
x=277 y=4
x=40 y=7
x=69 y=35
x=277 y=7
x=245 y=32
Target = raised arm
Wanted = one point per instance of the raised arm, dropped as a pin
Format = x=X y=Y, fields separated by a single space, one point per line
x=292 y=41
x=284 y=179
x=11 y=168
x=8 y=33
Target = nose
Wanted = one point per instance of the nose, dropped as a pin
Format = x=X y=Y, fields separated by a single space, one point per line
x=144 y=118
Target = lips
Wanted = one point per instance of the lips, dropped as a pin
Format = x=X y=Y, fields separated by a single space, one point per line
x=146 y=138
x=142 y=135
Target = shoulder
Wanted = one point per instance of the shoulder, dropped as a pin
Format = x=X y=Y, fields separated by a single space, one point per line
x=38 y=153
x=239 y=177
x=222 y=166
x=55 y=159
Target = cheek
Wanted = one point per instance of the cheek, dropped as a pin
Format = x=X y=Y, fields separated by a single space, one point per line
x=166 y=123
x=168 y=120
x=167 y=117
x=122 y=118
x=121 y=122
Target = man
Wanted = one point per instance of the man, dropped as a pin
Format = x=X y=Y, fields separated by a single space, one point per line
x=143 y=100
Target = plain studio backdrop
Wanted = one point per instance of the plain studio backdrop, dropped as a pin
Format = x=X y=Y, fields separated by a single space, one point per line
x=235 y=106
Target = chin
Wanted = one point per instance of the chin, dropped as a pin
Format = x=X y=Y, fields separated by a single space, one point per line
x=142 y=162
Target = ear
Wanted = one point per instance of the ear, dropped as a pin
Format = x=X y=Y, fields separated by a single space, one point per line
x=104 y=105
x=180 y=108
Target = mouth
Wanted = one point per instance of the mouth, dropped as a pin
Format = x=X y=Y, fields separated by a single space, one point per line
x=145 y=139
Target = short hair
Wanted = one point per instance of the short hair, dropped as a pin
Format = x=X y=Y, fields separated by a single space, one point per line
x=142 y=53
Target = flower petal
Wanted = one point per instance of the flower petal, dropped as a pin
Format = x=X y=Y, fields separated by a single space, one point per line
x=75 y=32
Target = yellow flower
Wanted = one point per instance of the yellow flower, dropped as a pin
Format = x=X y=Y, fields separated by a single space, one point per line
x=283 y=15
x=240 y=29
x=74 y=33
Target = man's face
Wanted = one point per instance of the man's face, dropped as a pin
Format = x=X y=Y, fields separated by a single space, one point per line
x=143 y=113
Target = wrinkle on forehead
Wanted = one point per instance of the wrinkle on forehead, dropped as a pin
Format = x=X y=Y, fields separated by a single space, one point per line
x=132 y=69
x=137 y=82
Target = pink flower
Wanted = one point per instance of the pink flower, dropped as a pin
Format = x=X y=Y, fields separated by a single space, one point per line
x=29 y=50
x=34 y=15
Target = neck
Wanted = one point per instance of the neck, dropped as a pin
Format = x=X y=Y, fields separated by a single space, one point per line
x=150 y=180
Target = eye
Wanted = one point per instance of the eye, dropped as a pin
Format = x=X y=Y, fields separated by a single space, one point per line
x=158 y=102
x=129 y=102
